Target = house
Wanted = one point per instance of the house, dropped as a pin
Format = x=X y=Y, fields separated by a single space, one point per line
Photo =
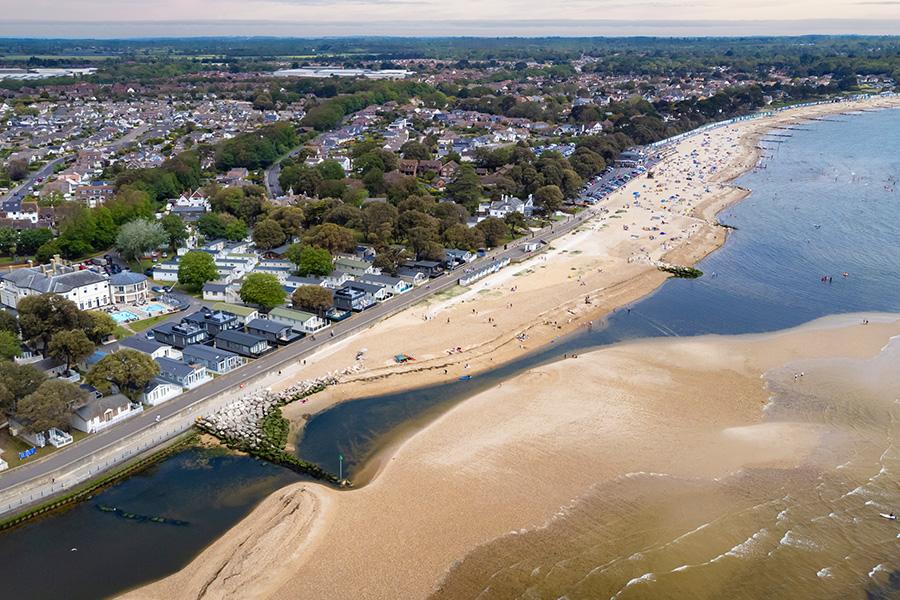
x=336 y=279
x=244 y=344
x=128 y=288
x=508 y=205
x=281 y=269
x=394 y=285
x=187 y=376
x=297 y=319
x=99 y=413
x=354 y=266
x=213 y=322
x=429 y=268
x=166 y=271
x=379 y=292
x=295 y=281
x=85 y=288
x=179 y=335
x=153 y=348
x=243 y=313
x=454 y=258
x=158 y=390
x=214 y=359
x=351 y=298
x=272 y=331
x=213 y=292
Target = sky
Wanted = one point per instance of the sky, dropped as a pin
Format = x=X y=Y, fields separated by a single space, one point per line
x=175 y=18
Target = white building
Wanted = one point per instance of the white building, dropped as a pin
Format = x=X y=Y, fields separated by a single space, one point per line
x=87 y=289
x=100 y=413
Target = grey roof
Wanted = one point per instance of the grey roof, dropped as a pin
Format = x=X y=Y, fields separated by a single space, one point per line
x=126 y=278
x=206 y=353
x=155 y=383
x=371 y=288
x=267 y=325
x=33 y=279
x=173 y=368
x=382 y=279
x=215 y=287
x=97 y=406
x=239 y=337
x=141 y=344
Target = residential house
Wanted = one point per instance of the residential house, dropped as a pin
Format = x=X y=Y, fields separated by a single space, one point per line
x=128 y=288
x=180 y=335
x=299 y=320
x=187 y=376
x=215 y=292
x=430 y=268
x=379 y=292
x=243 y=313
x=158 y=390
x=336 y=279
x=214 y=359
x=99 y=413
x=244 y=344
x=95 y=193
x=354 y=266
x=212 y=321
x=394 y=285
x=352 y=298
x=272 y=331
x=508 y=205
x=152 y=348
x=295 y=281
x=85 y=288
x=454 y=258
x=166 y=271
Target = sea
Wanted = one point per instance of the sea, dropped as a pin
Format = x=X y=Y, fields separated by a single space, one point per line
x=825 y=204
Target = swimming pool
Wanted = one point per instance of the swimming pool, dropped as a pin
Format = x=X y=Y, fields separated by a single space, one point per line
x=155 y=308
x=123 y=316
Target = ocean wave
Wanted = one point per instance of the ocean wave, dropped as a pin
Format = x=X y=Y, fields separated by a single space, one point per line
x=795 y=541
x=826 y=572
x=876 y=569
x=645 y=578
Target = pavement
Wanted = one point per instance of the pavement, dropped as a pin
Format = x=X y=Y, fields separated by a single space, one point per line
x=193 y=401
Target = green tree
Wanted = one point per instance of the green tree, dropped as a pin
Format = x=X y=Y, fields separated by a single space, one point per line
x=47 y=250
x=268 y=234
x=129 y=370
x=71 y=346
x=16 y=382
x=196 y=268
x=175 y=230
x=333 y=238
x=549 y=198
x=8 y=322
x=17 y=169
x=311 y=260
x=330 y=169
x=8 y=241
x=465 y=189
x=290 y=218
x=98 y=325
x=313 y=298
x=50 y=405
x=138 y=237
x=494 y=231
x=43 y=315
x=262 y=289
x=415 y=150
x=10 y=346
x=32 y=239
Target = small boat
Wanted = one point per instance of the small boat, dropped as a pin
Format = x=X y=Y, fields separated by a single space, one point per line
x=465 y=378
x=890 y=517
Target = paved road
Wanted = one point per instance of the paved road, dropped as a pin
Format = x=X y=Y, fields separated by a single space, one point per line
x=19 y=193
x=270 y=176
x=275 y=360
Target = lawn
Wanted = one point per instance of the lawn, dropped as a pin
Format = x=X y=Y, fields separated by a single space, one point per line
x=11 y=446
x=139 y=326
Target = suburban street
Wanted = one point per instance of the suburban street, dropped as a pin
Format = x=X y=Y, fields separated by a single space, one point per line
x=192 y=401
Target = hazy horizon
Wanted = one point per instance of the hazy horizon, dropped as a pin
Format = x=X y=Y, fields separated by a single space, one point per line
x=136 y=29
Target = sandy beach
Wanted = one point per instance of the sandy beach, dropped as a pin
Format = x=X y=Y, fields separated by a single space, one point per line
x=511 y=458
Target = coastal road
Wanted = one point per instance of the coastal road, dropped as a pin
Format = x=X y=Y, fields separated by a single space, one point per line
x=191 y=402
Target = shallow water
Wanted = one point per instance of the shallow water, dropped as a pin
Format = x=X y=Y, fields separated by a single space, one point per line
x=811 y=532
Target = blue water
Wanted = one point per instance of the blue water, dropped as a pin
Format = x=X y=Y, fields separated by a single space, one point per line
x=827 y=202
x=767 y=278
x=152 y=308
x=123 y=316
